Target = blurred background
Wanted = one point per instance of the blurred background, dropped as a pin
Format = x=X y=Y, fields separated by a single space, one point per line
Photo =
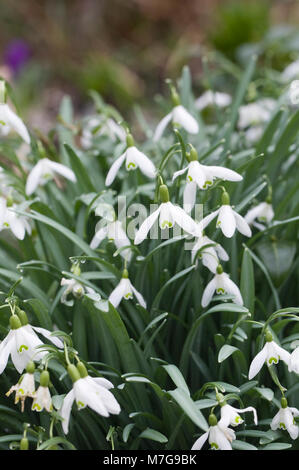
x=126 y=49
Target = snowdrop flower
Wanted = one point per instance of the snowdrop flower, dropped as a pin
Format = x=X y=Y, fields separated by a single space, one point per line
x=98 y=126
x=9 y=119
x=230 y=416
x=125 y=290
x=202 y=177
x=290 y=72
x=134 y=159
x=25 y=386
x=253 y=114
x=169 y=215
x=45 y=169
x=209 y=255
x=178 y=115
x=42 y=399
x=284 y=419
x=9 y=219
x=211 y=98
x=220 y=437
x=294 y=361
x=270 y=354
x=222 y=284
x=22 y=341
x=228 y=220
x=263 y=212
x=88 y=391
x=113 y=231
x=75 y=288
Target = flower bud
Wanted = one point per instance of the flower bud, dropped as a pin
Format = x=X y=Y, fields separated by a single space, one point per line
x=15 y=322
x=163 y=193
x=24 y=444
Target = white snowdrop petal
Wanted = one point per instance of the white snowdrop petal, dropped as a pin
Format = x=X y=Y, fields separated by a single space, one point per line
x=15 y=122
x=99 y=236
x=139 y=297
x=242 y=225
x=226 y=221
x=63 y=171
x=181 y=116
x=208 y=293
x=114 y=169
x=257 y=363
x=231 y=288
x=117 y=294
x=189 y=196
x=145 y=165
x=161 y=127
x=34 y=177
x=65 y=410
x=200 y=441
x=146 y=226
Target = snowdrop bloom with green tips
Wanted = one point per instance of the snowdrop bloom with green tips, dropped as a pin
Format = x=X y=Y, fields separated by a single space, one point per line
x=230 y=416
x=9 y=219
x=202 y=176
x=213 y=98
x=125 y=290
x=88 y=391
x=263 y=212
x=9 y=119
x=112 y=231
x=42 y=399
x=228 y=220
x=294 y=361
x=210 y=252
x=25 y=386
x=284 y=419
x=21 y=343
x=169 y=214
x=44 y=170
x=221 y=284
x=220 y=437
x=134 y=159
x=270 y=354
x=75 y=288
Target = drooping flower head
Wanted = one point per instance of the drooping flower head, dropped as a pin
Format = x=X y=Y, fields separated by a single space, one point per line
x=284 y=419
x=25 y=386
x=220 y=436
x=125 y=290
x=221 y=284
x=45 y=170
x=230 y=416
x=9 y=119
x=42 y=399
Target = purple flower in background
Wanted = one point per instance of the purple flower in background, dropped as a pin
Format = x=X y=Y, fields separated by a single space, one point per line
x=16 y=54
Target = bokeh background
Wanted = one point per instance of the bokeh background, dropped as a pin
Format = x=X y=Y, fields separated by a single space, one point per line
x=126 y=49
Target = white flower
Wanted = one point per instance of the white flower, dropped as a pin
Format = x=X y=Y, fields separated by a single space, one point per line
x=178 y=115
x=42 y=399
x=112 y=231
x=21 y=343
x=25 y=386
x=294 y=361
x=9 y=119
x=202 y=176
x=73 y=287
x=88 y=391
x=210 y=98
x=291 y=71
x=230 y=415
x=263 y=212
x=256 y=113
x=270 y=354
x=220 y=436
x=284 y=419
x=134 y=159
x=125 y=290
x=228 y=220
x=45 y=169
x=98 y=126
x=169 y=215
x=210 y=254
x=9 y=219
x=222 y=284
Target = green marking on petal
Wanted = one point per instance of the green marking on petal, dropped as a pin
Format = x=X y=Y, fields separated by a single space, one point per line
x=36 y=407
x=80 y=404
x=214 y=446
x=220 y=290
x=6 y=224
x=238 y=419
x=282 y=426
x=128 y=296
x=167 y=224
x=131 y=166
x=3 y=123
x=190 y=178
x=23 y=346
x=21 y=391
x=273 y=359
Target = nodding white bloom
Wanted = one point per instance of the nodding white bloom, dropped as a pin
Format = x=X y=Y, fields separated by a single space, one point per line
x=202 y=177
x=75 y=288
x=270 y=354
x=263 y=212
x=9 y=219
x=294 y=361
x=209 y=255
x=125 y=290
x=211 y=98
x=42 y=399
x=25 y=386
x=228 y=220
x=169 y=214
x=284 y=419
x=230 y=416
x=134 y=159
x=45 y=170
x=101 y=125
x=88 y=391
x=221 y=284
x=178 y=115
x=220 y=437
x=290 y=72
x=22 y=341
x=112 y=231
x=253 y=114
x=9 y=119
